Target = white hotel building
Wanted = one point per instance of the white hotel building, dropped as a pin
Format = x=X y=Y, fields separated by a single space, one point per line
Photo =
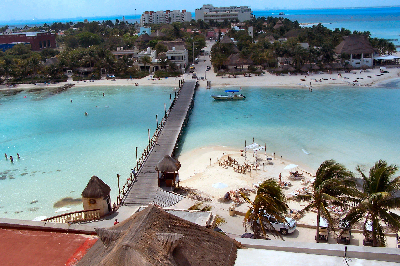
x=219 y=14
x=165 y=17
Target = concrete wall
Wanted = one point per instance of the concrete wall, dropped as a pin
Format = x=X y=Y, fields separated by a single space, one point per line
x=368 y=253
x=100 y=204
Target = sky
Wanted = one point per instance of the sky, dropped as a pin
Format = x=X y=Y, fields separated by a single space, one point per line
x=15 y=10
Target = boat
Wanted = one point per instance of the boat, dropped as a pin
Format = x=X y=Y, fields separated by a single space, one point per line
x=230 y=96
x=281 y=14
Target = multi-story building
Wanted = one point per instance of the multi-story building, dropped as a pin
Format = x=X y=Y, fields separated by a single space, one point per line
x=219 y=14
x=165 y=17
x=37 y=40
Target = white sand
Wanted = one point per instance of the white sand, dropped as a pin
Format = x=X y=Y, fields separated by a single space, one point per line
x=369 y=77
x=198 y=173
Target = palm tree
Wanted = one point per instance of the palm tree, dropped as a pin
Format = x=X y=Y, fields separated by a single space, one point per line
x=377 y=198
x=333 y=183
x=270 y=200
x=145 y=60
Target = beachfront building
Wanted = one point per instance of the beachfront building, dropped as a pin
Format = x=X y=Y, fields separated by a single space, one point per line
x=359 y=49
x=164 y=17
x=121 y=52
x=96 y=195
x=209 y=13
x=177 y=53
x=37 y=40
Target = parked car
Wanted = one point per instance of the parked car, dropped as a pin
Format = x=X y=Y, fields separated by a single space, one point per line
x=345 y=234
x=287 y=227
x=323 y=229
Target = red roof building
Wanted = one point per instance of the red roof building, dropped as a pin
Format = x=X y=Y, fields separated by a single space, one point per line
x=37 y=40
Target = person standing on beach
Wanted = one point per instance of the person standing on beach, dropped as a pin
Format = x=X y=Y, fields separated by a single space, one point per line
x=11 y=159
x=5 y=155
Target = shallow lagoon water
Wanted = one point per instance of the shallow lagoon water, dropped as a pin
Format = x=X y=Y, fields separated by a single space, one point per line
x=355 y=126
x=61 y=148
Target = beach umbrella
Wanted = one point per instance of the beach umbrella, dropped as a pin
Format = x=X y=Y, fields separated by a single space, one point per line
x=290 y=166
x=304 y=68
x=327 y=66
x=219 y=185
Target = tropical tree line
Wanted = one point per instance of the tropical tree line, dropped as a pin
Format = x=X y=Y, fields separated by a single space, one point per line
x=370 y=205
x=88 y=46
x=268 y=43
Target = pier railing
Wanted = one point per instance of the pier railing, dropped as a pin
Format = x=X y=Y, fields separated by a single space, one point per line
x=74 y=217
x=142 y=159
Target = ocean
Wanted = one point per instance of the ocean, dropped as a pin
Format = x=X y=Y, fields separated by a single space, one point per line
x=61 y=148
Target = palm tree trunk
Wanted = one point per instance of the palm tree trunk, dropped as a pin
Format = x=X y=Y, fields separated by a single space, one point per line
x=318 y=217
x=374 y=241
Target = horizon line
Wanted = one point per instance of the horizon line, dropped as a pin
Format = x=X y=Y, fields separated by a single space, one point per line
x=114 y=17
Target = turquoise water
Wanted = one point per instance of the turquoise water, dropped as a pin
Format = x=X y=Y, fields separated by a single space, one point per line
x=61 y=148
x=351 y=125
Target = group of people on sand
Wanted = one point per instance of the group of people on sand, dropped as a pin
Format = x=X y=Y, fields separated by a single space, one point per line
x=11 y=158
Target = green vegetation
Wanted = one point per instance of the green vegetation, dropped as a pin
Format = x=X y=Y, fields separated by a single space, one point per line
x=199 y=207
x=376 y=200
x=333 y=185
x=270 y=200
x=85 y=48
x=280 y=38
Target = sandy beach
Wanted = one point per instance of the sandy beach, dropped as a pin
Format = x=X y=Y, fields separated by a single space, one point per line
x=202 y=171
x=362 y=78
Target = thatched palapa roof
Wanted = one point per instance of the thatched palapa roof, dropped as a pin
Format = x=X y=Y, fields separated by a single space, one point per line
x=354 y=44
x=144 y=38
x=155 y=237
x=226 y=39
x=236 y=60
x=96 y=188
x=168 y=164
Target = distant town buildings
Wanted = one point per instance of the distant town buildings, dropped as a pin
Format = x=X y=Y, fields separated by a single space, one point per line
x=219 y=14
x=37 y=40
x=164 y=17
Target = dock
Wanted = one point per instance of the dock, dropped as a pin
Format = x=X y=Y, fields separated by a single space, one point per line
x=144 y=189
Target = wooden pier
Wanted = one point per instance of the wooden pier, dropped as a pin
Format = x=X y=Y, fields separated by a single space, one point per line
x=144 y=189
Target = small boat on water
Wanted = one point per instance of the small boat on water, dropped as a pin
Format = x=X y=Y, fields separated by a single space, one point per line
x=229 y=97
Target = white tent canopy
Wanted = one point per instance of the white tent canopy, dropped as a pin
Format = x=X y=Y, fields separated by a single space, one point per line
x=254 y=146
x=290 y=166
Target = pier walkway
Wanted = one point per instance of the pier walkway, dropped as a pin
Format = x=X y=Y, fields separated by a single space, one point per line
x=145 y=189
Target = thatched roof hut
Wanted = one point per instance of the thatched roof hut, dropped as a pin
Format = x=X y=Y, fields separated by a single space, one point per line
x=236 y=60
x=155 y=237
x=278 y=24
x=226 y=39
x=144 y=38
x=354 y=44
x=96 y=188
x=168 y=164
